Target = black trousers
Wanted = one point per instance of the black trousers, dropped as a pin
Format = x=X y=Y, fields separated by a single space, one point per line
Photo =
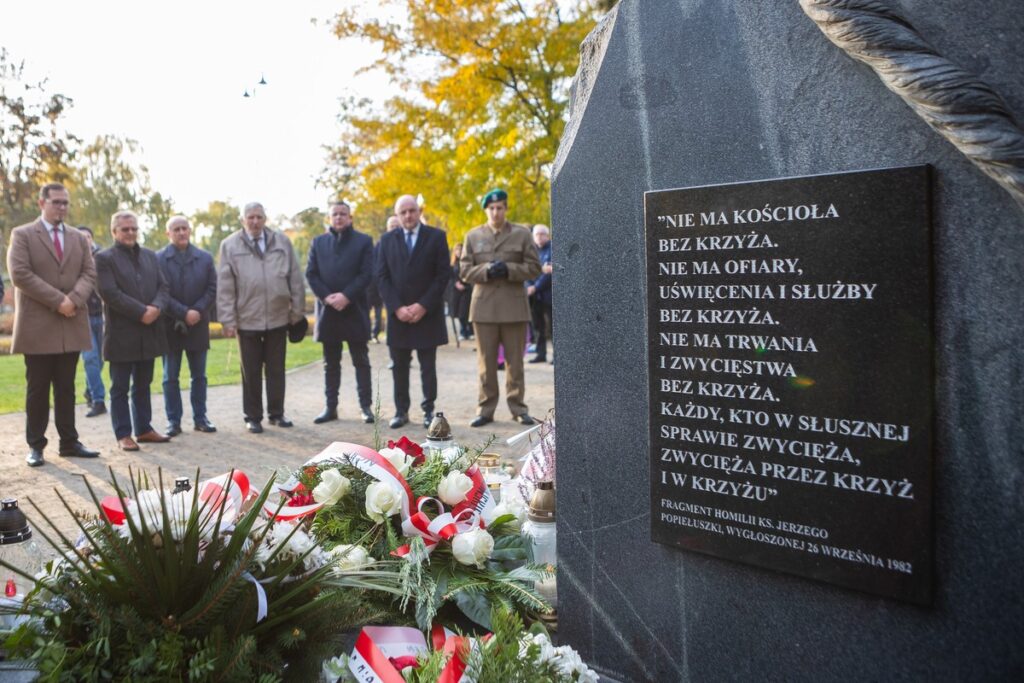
x=541 y=314
x=42 y=371
x=402 y=359
x=332 y=373
x=262 y=355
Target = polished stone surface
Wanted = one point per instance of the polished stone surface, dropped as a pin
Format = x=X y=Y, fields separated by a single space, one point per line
x=680 y=94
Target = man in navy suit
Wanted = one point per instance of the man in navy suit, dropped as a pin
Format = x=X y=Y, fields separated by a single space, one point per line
x=339 y=270
x=412 y=272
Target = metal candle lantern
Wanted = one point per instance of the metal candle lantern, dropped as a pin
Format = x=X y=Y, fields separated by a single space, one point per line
x=540 y=529
x=17 y=549
x=439 y=440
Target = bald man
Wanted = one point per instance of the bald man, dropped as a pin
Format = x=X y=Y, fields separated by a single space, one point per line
x=412 y=273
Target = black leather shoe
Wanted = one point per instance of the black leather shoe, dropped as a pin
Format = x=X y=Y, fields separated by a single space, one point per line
x=35 y=458
x=367 y=415
x=173 y=430
x=254 y=427
x=97 y=408
x=427 y=419
x=481 y=420
x=538 y=359
x=280 y=422
x=76 y=451
x=329 y=415
x=204 y=426
x=398 y=421
x=524 y=419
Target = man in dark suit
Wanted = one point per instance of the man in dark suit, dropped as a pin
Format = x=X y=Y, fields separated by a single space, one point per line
x=53 y=274
x=412 y=272
x=192 y=291
x=134 y=295
x=339 y=269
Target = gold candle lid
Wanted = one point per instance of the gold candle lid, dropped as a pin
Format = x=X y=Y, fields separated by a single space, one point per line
x=542 y=502
x=488 y=460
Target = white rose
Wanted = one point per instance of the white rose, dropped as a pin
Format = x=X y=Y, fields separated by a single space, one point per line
x=454 y=487
x=333 y=487
x=512 y=506
x=472 y=547
x=349 y=558
x=398 y=459
x=382 y=501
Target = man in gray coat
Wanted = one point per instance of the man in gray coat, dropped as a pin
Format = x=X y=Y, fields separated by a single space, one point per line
x=259 y=293
x=192 y=286
x=134 y=294
x=53 y=274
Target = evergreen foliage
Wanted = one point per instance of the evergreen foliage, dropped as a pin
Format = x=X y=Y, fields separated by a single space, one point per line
x=132 y=603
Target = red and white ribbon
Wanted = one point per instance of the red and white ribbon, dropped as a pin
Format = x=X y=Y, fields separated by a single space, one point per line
x=230 y=490
x=339 y=452
x=479 y=499
x=376 y=646
x=443 y=527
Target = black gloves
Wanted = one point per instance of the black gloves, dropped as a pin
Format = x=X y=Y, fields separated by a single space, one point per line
x=497 y=271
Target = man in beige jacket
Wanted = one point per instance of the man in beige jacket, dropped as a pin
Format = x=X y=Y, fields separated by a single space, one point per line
x=53 y=274
x=260 y=292
x=498 y=257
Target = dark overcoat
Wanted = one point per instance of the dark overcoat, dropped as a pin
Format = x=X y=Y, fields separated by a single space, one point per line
x=341 y=261
x=542 y=283
x=129 y=279
x=191 y=285
x=420 y=277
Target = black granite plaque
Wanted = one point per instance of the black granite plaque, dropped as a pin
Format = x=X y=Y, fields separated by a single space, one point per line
x=790 y=341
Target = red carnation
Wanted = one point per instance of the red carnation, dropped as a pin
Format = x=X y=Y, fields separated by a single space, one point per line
x=411 y=449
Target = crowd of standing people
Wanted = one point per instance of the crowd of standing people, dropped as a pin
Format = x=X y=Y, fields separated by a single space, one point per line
x=128 y=306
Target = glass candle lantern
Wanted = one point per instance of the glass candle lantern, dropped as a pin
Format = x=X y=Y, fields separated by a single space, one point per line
x=493 y=472
x=17 y=549
x=540 y=529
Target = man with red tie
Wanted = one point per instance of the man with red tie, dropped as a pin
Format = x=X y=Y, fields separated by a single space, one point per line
x=53 y=274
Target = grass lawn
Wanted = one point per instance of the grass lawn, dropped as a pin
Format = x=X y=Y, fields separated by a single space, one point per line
x=222 y=367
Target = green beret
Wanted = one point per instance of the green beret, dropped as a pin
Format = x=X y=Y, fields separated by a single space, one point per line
x=495 y=195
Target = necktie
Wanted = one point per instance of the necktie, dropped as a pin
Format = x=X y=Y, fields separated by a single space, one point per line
x=259 y=247
x=408 y=240
x=56 y=243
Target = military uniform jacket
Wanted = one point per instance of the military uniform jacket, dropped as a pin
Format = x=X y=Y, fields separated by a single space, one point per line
x=504 y=300
x=341 y=262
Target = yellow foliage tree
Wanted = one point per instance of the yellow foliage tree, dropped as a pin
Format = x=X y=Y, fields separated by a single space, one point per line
x=486 y=87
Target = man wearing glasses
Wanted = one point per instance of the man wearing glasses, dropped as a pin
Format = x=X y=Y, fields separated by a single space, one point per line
x=53 y=274
x=134 y=294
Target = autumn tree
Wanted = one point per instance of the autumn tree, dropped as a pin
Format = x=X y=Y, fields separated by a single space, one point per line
x=213 y=224
x=34 y=146
x=485 y=86
x=107 y=178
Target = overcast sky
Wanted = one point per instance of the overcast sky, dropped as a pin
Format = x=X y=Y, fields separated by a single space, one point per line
x=171 y=76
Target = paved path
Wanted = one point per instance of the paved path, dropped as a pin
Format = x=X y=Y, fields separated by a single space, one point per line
x=259 y=455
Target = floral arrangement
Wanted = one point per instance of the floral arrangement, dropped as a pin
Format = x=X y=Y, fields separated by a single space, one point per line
x=459 y=551
x=190 y=584
x=508 y=655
